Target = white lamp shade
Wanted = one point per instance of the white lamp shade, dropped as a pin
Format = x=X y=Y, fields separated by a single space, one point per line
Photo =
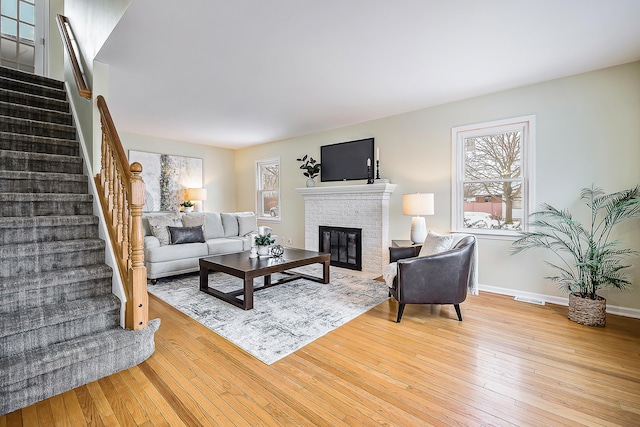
x=418 y=204
x=196 y=194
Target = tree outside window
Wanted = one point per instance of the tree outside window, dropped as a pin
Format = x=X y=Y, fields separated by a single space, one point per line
x=492 y=179
x=268 y=189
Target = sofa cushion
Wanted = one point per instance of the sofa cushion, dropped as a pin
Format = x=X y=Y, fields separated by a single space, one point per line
x=182 y=235
x=213 y=225
x=158 y=225
x=247 y=223
x=230 y=224
x=173 y=252
x=224 y=246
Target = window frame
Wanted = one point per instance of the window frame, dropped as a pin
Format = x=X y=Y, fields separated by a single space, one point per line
x=527 y=124
x=259 y=199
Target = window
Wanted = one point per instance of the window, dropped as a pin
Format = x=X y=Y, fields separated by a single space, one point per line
x=492 y=176
x=268 y=189
x=17 y=34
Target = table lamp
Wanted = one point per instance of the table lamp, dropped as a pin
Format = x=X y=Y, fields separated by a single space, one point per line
x=197 y=195
x=418 y=204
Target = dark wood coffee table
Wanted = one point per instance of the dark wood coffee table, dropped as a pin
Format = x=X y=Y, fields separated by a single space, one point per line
x=240 y=265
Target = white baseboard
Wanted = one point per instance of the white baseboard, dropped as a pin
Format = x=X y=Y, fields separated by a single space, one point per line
x=612 y=309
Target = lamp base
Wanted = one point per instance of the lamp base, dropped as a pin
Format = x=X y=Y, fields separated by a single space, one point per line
x=418 y=229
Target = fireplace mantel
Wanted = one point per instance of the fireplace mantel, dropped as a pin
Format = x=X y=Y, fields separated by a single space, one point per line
x=364 y=206
x=384 y=188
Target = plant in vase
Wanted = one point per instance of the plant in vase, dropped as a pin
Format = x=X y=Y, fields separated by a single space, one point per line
x=311 y=167
x=263 y=241
x=595 y=262
x=187 y=205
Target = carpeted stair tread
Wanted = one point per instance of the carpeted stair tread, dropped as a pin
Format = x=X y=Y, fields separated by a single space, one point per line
x=20 y=368
x=42 y=182
x=24 y=76
x=31 y=229
x=33 y=249
x=39 y=162
x=33 y=100
x=76 y=374
x=40 y=257
x=38 y=144
x=32 y=88
x=54 y=278
x=36 y=318
x=34 y=127
x=8 y=109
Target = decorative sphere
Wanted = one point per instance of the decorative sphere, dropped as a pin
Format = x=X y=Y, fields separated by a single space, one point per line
x=277 y=251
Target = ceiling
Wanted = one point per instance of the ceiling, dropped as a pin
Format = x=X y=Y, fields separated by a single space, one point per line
x=240 y=73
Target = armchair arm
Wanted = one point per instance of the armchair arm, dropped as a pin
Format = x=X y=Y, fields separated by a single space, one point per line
x=405 y=252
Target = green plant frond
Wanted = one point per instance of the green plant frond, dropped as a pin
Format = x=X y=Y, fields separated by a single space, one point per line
x=590 y=195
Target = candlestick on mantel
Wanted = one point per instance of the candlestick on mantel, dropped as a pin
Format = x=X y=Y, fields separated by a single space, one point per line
x=377 y=169
x=368 y=161
x=377 y=154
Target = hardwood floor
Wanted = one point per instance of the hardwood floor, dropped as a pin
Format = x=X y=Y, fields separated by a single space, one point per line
x=507 y=363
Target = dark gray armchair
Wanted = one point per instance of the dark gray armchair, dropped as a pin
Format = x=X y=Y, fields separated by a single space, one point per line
x=442 y=278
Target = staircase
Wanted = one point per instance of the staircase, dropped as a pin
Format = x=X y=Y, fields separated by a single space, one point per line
x=59 y=321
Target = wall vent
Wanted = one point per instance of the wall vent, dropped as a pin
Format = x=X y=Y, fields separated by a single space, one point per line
x=529 y=300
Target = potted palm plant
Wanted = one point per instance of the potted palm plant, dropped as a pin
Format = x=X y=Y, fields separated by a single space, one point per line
x=594 y=261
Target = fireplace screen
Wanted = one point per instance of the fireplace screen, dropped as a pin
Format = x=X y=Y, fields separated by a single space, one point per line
x=344 y=244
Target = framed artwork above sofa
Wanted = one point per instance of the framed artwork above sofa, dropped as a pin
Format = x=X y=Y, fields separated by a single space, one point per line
x=166 y=177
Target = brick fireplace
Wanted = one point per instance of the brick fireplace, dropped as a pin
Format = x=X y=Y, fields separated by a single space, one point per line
x=363 y=206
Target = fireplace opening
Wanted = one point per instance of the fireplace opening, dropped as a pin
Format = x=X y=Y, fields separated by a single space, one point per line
x=344 y=245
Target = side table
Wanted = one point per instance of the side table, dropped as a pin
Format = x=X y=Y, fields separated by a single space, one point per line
x=403 y=244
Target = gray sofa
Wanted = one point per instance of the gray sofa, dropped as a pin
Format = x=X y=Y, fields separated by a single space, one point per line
x=204 y=234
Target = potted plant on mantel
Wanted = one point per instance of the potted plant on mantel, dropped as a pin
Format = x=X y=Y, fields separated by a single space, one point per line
x=312 y=169
x=597 y=262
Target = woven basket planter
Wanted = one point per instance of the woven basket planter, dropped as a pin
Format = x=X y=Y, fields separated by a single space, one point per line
x=587 y=311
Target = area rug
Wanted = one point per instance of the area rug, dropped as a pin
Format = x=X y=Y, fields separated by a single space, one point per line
x=284 y=319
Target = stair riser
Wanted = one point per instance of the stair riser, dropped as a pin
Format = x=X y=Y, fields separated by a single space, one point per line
x=42 y=186
x=33 y=89
x=14 y=74
x=34 y=101
x=58 y=294
x=12 y=236
x=45 y=208
x=19 y=112
x=40 y=165
x=47 y=262
x=92 y=324
x=37 y=128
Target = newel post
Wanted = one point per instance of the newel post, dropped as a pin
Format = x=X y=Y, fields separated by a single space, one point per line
x=137 y=302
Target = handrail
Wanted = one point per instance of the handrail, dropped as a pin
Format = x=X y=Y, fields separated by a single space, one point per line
x=121 y=193
x=67 y=37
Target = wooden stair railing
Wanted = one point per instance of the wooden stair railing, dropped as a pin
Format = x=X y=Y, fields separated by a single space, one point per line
x=121 y=192
x=69 y=40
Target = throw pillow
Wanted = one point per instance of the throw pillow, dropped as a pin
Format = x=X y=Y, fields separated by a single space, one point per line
x=180 y=235
x=435 y=243
x=196 y=220
x=247 y=223
x=159 y=224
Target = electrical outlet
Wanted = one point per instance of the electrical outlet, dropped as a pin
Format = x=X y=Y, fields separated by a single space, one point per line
x=290 y=241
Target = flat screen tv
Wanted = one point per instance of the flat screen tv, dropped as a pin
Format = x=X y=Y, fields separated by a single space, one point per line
x=346 y=161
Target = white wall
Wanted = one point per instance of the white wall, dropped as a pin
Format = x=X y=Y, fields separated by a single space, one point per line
x=218 y=166
x=92 y=21
x=588 y=131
